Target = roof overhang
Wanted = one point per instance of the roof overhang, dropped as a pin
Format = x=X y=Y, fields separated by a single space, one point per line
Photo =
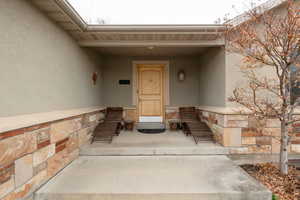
x=60 y=11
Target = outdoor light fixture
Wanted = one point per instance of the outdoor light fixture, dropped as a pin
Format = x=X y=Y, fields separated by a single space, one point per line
x=181 y=75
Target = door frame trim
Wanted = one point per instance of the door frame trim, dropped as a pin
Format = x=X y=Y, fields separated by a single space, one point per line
x=166 y=94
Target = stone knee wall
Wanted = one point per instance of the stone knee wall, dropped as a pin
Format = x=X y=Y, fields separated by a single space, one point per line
x=241 y=135
x=130 y=114
x=170 y=113
x=31 y=156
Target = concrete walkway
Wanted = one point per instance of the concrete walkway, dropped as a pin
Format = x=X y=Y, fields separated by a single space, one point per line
x=167 y=143
x=153 y=178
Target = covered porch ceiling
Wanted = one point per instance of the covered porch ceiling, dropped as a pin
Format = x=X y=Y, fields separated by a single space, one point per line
x=150 y=51
x=104 y=36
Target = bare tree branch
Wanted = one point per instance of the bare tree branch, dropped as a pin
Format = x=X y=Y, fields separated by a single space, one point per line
x=268 y=40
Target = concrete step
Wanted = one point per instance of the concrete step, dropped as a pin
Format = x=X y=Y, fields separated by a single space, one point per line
x=153 y=178
x=203 y=148
x=132 y=143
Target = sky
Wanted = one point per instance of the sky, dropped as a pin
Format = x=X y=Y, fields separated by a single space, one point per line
x=159 y=11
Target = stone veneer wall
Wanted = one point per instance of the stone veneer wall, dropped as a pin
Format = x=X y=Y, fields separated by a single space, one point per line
x=240 y=135
x=130 y=114
x=171 y=113
x=238 y=132
x=31 y=156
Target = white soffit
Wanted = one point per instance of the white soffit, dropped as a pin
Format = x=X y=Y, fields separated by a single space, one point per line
x=61 y=12
x=202 y=35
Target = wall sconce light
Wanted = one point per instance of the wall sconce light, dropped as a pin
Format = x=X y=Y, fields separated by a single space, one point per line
x=181 y=75
x=95 y=77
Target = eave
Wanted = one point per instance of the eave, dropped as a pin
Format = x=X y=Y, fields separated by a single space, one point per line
x=62 y=13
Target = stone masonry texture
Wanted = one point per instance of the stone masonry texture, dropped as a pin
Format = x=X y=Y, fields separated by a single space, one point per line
x=241 y=135
x=30 y=156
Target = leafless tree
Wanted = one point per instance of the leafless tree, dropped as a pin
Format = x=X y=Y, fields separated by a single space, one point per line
x=268 y=41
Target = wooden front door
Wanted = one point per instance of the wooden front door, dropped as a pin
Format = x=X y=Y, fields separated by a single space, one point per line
x=150 y=92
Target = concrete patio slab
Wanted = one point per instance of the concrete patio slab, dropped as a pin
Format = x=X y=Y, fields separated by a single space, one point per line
x=167 y=143
x=153 y=177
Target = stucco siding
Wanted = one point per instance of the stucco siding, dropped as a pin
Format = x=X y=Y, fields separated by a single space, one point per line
x=212 y=77
x=236 y=79
x=186 y=92
x=233 y=61
x=41 y=67
x=234 y=76
x=116 y=68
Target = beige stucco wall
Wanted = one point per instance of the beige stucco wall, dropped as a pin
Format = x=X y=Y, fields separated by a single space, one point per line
x=212 y=77
x=41 y=67
x=181 y=93
x=234 y=77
